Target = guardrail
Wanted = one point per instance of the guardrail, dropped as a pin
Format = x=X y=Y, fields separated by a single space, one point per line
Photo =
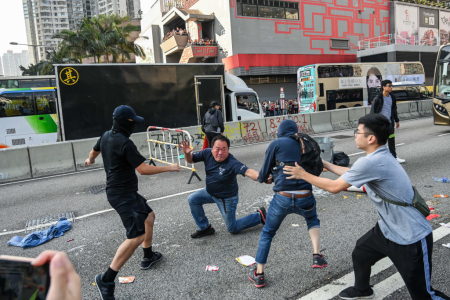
x=20 y=163
x=154 y=145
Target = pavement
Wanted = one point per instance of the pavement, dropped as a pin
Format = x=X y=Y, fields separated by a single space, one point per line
x=98 y=231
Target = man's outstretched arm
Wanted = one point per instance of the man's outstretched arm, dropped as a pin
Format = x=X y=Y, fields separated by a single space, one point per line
x=333 y=186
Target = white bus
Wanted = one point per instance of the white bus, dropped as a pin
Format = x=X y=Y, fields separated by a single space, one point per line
x=27 y=116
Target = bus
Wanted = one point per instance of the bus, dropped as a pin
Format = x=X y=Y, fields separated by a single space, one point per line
x=343 y=85
x=441 y=88
x=28 y=116
x=15 y=82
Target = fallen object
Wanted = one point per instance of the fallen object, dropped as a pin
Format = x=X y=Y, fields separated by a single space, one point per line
x=69 y=240
x=295 y=225
x=246 y=260
x=445 y=225
x=432 y=216
x=39 y=237
x=212 y=268
x=446 y=245
x=341 y=159
x=126 y=279
x=440 y=196
x=355 y=189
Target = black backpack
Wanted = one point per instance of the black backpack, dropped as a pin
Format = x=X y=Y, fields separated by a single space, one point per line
x=310 y=157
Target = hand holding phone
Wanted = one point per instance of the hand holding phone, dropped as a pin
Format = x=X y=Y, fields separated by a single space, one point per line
x=65 y=282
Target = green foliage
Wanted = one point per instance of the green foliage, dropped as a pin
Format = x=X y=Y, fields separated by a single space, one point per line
x=101 y=37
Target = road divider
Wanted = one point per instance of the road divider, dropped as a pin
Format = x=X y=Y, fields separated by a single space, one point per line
x=36 y=161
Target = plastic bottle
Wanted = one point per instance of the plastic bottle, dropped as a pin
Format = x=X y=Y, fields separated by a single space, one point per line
x=441 y=179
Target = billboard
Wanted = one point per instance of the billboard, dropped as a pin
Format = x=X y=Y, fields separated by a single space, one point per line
x=428 y=27
x=406 y=27
x=444 y=26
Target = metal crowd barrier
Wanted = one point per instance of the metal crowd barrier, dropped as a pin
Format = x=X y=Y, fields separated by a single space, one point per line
x=164 y=146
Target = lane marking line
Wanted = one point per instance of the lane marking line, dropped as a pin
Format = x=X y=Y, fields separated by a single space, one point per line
x=332 y=289
x=359 y=153
x=98 y=212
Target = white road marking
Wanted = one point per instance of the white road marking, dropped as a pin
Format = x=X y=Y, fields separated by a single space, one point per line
x=444 y=134
x=98 y=212
x=382 y=289
x=359 y=153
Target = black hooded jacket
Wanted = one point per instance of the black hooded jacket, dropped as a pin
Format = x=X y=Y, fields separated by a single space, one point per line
x=212 y=121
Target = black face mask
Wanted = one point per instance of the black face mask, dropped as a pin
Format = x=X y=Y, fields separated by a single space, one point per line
x=123 y=126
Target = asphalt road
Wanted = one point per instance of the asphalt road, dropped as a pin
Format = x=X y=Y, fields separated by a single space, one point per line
x=181 y=274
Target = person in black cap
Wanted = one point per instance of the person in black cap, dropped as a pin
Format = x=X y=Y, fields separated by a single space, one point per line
x=212 y=124
x=120 y=159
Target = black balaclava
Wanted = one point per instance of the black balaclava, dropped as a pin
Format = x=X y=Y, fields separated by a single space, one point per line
x=125 y=127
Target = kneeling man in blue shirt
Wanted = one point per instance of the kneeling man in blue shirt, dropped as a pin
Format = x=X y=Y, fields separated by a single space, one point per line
x=221 y=187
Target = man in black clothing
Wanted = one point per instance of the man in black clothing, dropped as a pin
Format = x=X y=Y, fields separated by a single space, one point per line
x=212 y=124
x=121 y=158
x=386 y=104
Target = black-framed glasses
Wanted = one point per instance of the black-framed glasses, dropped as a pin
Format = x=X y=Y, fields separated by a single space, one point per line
x=388 y=85
x=356 y=132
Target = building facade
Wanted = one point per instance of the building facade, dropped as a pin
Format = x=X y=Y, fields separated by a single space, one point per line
x=121 y=7
x=12 y=61
x=264 y=41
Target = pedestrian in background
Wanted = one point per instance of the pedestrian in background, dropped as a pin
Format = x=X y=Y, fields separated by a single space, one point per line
x=213 y=124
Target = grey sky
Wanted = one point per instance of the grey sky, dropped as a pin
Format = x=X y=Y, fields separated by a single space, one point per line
x=12 y=24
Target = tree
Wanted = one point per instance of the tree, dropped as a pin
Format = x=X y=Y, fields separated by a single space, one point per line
x=61 y=55
x=31 y=70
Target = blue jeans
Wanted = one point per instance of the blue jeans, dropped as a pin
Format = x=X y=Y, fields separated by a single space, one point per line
x=279 y=208
x=197 y=199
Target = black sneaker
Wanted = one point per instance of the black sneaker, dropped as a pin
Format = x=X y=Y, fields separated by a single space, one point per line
x=258 y=280
x=352 y=293
x=319 y=261
x=106 y=289
x=146 y=263
x=201 y=233
x=263 y=213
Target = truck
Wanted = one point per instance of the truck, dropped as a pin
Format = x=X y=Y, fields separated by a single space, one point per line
x=165 y=95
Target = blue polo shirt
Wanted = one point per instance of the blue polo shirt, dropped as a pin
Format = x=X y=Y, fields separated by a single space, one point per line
x=221 y=179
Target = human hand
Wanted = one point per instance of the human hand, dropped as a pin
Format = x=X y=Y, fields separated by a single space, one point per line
x=296 y=172
x=65 y=283
x=185 y=146
x=89 y=162
x=269 y=180
x=397 y=125
x=174 y=168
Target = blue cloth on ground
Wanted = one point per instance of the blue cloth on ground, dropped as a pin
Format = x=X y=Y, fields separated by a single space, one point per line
x=39 y=237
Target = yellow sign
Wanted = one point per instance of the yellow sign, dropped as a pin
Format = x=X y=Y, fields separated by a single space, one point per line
x=69 y=76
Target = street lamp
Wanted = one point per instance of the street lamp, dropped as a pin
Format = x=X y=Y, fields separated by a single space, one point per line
x=34 y=49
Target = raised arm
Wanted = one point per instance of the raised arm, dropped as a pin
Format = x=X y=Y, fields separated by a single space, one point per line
x=187 y=150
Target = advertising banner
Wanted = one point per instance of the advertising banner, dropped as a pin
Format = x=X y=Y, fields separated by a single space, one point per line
x=444 y=26
x=428 y=27
x=406 y=27
x=350 y=82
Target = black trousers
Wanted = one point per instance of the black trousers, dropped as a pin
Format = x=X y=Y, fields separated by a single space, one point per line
x=391 y=140
x=413 y=262
x=210 y=136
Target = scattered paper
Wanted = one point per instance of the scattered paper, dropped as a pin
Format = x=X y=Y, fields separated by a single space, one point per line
x=295 y=225
x=246 y=260
x=432 y=216
x=440 y=196
x=126 y=279
x=93 y=283
x=345 y=197
x=446 y=245
x=212 y=268
x=445 y=225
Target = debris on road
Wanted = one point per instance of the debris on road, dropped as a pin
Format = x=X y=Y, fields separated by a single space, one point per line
x=441 y=179
x=345 y=197
x=440 y=196
x=446 y=245
x=69 y=240
x=432 y=202
x=355 y=189
x=126 y=279
x=212 y=268
x=246 y=260
x=432 y=216
x=445 y=225
x=295 y=225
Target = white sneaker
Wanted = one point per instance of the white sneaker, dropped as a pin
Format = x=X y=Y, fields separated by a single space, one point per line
x=400 y=160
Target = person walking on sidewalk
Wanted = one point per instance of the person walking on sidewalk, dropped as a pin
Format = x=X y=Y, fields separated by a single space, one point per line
x=290 y=197
x=221 y=188
x=403 y=233
x=386 y=104
x=120 y=159
x=212 y=124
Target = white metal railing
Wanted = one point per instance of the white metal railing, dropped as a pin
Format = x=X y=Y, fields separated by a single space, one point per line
x=402 y=39
x=164 y=146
